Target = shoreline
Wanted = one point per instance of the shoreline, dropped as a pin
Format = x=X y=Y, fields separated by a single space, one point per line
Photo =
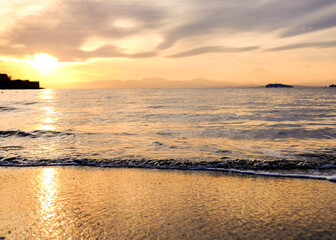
x=256 y=173
x=86 y=202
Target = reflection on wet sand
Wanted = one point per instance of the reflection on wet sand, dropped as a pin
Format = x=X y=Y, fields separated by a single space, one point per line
x=93 y=203
x=48 y=187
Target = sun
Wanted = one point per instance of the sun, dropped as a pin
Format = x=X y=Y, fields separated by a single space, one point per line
x=44 y=63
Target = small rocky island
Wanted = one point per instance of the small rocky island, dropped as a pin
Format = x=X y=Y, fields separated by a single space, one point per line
x=6 y=82
x=332 y=85
x=278 y=85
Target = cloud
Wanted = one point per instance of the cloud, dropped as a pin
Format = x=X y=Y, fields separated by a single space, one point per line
x=62 y=26
x=327 y=44
x=110 y=52
x=74 y=55
x=211 y=49
x=228 y=17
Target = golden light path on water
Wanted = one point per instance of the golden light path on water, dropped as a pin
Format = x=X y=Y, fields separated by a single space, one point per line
x=48 y=118
x=47 y=94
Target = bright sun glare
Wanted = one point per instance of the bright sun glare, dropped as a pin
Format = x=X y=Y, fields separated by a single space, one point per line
x=44 y=62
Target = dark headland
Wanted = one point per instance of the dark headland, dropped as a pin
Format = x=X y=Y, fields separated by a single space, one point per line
x=278 y=85
x=332 y=85
x=6 y=82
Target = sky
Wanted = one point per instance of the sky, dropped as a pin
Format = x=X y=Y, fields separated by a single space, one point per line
x=65 y=42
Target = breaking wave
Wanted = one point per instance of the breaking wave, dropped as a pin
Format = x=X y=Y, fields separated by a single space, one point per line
x=239 y=166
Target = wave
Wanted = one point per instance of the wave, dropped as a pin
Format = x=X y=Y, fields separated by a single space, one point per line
x=29 y=103
x=33 y=134
x=156 y=106
x=4 y=109
x=232 y=166
x=271 y=133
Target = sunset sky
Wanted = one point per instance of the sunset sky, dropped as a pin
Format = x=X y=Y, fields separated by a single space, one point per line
x=63 y=42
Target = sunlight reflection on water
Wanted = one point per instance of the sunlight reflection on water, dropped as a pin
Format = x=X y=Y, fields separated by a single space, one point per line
x=180 y=124
x=47 y=94
x=48 y=118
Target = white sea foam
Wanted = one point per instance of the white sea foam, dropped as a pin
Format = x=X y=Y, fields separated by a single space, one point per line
x=155 y=165
x=281 y=175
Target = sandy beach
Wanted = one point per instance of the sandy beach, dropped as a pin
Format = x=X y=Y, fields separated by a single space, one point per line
x=98 y=203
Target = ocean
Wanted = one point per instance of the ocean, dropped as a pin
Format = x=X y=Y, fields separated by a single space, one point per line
x=256 y=131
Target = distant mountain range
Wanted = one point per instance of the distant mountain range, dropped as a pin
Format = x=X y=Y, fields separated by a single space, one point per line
x=256 y=78
x=155 y=83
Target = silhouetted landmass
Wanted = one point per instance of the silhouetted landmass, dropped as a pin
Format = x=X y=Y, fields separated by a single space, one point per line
x=6 y=82
x=278 y=85
x=332 y=85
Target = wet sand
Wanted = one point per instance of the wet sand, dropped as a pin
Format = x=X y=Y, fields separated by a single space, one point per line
x=84 y=202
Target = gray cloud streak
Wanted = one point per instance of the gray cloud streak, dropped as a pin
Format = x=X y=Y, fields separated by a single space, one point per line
x=326 y=22
x=327 y=44
x=211 y=49
x=235 y=17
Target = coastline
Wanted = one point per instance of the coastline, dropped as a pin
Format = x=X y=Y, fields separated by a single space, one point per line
x=75 y=202
x=279 y=173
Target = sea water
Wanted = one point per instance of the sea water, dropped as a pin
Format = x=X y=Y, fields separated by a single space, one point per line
x=275 y=132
